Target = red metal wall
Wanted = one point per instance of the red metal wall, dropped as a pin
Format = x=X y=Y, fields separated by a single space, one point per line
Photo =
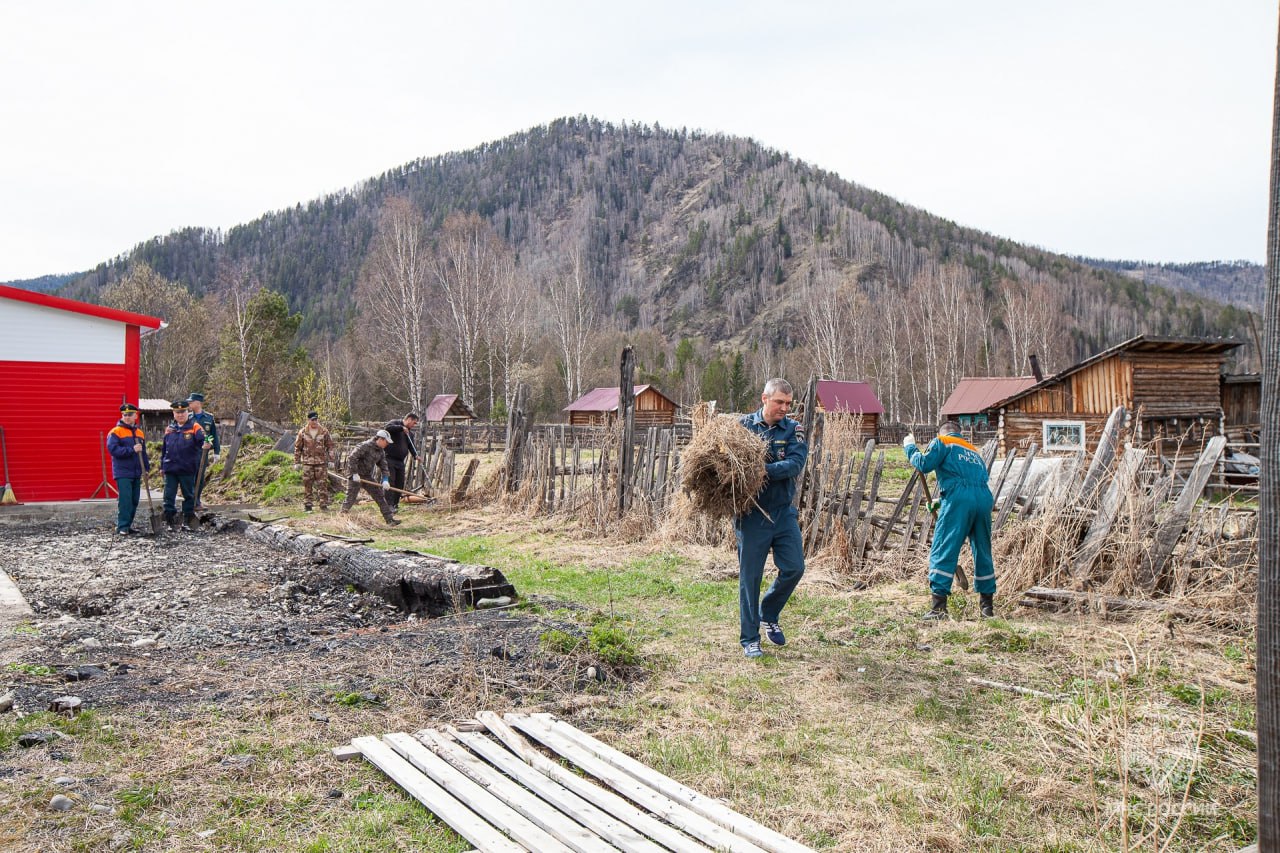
x=55 y=418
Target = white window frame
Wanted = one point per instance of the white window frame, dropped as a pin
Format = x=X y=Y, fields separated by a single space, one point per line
x=1047 y=426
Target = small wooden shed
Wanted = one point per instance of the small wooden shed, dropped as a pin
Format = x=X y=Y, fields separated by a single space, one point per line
x=448 y=408
x=851 y=401
x=1242 y=406
x=1169 y=385
x=970 y=403
x=154 y=415
x=599 y=407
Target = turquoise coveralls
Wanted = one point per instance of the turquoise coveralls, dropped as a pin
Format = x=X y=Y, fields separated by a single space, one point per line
x=966 y=511
x=776 y=528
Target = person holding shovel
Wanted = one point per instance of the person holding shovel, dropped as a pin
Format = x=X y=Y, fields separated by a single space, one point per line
x=398 y=453
x=184 y=445
x=367 y=466
x=965 y=514
x=772 y=524
x=127 y=445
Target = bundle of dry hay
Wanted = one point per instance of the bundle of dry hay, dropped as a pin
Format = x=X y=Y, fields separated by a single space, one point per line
x=722 y=469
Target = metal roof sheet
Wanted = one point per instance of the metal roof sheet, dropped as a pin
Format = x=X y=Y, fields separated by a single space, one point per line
x=836 y=395
x=975 y=394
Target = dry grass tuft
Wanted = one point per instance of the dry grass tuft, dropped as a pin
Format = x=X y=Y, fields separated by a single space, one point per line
x=722 y=469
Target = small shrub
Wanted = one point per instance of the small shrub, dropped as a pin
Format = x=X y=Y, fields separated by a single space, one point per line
x=612 y=645
x=559 y=642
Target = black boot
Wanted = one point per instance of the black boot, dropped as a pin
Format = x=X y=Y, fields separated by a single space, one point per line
x=190 y=522
x=986 y=606
x=171 y=520
x=939 y=610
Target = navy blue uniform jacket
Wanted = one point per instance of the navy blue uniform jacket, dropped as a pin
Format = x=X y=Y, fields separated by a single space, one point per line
x=785 y=456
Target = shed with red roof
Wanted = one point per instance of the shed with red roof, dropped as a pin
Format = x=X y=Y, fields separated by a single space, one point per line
x=599 y=406
x=448 y=408
x=854 y=402
x=74 y=359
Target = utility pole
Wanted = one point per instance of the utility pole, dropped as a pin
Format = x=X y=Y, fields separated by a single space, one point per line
x=1268 y=663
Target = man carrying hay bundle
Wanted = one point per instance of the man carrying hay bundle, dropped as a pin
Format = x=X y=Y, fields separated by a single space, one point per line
x=771 y=522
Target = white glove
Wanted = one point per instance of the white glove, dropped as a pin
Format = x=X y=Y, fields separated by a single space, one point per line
x=355 y=478
x=909 y=439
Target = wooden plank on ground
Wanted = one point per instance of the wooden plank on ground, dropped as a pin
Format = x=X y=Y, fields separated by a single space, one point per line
x=706 y=806
x=441 y=803
x=608 y=801
x=615 y=831
x=563 y=827
x=1153 y=567
x=674 y=813
x=477 y=798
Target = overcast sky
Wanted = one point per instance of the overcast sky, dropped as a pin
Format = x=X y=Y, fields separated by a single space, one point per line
x=1115 y=129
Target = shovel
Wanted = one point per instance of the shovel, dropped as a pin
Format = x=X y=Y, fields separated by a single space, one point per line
x=157 y=521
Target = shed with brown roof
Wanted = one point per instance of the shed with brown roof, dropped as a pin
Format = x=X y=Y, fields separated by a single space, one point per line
x=599 y=407
x=970 y=403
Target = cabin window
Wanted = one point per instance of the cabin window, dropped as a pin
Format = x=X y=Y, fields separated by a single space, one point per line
x=1064 y=435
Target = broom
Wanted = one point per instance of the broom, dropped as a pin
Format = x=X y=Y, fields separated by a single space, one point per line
x=6 y=491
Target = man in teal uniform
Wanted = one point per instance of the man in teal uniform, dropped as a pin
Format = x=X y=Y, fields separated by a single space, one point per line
x=965 y=514
x=208 y=423
x=773 y=524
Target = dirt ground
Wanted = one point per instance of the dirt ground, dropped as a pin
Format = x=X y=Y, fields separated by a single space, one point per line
x=189 y=619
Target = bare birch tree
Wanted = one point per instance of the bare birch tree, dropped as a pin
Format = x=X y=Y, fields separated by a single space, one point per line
x=573 y=318
x=830 y=305
x=241 y=340
x=394 y=293
x=509 y=334
x=465 y=271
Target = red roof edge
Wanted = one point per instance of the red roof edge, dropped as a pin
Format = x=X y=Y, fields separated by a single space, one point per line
x=44 y=299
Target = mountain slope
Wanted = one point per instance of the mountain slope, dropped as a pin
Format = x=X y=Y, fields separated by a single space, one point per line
x=697 y=235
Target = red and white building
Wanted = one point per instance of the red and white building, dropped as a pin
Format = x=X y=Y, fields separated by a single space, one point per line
x=65 y=368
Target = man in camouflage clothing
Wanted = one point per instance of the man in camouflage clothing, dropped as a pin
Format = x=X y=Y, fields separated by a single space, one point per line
x=367 y=465
x=312 y=451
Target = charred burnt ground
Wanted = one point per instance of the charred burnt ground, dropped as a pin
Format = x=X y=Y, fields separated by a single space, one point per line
x=184 y=621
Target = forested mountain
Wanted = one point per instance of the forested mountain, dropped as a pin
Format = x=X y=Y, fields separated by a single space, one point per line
x=1239 y=283
x=723 y=261
x=46 y=283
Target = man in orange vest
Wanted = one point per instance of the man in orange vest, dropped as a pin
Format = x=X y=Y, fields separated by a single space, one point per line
x=127 y=445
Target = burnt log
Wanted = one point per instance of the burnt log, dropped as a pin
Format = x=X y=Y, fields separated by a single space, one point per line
x=414 y=582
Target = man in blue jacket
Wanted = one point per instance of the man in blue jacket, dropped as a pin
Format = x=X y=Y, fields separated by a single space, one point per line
x=772 y=525
x=965 y=514
x=184 y=443
x=127 y=445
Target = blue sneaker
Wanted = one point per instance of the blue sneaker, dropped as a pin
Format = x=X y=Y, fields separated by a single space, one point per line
x=773 y=631
x=753 y=650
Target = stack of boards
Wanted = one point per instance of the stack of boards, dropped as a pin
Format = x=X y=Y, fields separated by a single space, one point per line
x=494 y=781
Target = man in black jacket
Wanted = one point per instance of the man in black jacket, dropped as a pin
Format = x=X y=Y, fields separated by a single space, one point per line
x=398 y=452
